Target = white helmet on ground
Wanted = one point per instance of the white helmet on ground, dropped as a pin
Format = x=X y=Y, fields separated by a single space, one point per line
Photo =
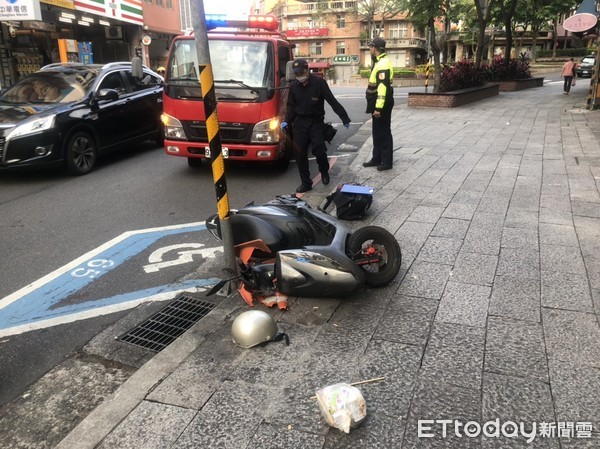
x=255 y=327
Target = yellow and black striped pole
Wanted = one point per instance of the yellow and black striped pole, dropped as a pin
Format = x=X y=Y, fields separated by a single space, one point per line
x=426 y=76
x=214 y=139
x=207 y=86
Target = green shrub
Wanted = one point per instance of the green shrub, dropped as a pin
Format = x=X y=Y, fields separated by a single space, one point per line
x=399 y=72
x=562 y=52
x=403 y=72
x=421 y=69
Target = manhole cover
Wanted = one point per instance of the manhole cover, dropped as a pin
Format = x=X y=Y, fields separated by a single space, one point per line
x=162 y=328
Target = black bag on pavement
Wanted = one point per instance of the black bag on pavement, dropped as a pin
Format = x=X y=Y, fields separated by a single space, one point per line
x=329 y=132
x=351 y=201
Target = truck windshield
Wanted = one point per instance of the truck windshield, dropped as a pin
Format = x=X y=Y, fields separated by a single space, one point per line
x=241 y=68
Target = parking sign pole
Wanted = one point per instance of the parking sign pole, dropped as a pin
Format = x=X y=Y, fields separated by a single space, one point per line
x=206 y=79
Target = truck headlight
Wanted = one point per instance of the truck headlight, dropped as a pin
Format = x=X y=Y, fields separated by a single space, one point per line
x=32 y=126
x=266 y=131
x=173 y=127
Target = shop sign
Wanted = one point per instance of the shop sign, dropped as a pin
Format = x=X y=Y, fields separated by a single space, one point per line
x=308 y=32
x=124 y=10
x=67 y=4
x=146 y=40
x=345 y=59
x=580 y=22
x=20 y=10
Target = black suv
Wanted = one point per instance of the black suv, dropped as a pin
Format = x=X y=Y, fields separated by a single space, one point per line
x=586 y=66
x=71 y=113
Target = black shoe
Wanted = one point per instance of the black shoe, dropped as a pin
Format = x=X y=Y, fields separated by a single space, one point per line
x=303 y=188
x=371 y=163
x=384 y=167
x=325 y=178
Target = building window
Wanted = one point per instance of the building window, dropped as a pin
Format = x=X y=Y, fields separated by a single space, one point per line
x=340 y=48
x=376 y=31
x=315 y=48
x=350 y=5
x=170 y=4
x=185 y=14
x=398 y=30
x=337 y=5
x=159 y=2
x=341 y=21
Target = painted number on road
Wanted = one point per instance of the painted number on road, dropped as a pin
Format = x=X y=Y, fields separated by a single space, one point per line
x=91 y=269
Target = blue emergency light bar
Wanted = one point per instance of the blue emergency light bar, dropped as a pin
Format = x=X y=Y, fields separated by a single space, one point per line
x=254 y=21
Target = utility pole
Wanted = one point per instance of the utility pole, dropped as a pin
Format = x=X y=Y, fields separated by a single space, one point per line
x=206 y=79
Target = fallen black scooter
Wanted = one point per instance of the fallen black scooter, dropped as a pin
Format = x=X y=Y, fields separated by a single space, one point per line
x=286 y=248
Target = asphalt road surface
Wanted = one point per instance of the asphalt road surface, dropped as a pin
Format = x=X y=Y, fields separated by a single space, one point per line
x=57 y=230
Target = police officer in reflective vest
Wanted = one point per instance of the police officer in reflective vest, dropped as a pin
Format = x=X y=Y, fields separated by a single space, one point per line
x=380 y=101
x=306 y=110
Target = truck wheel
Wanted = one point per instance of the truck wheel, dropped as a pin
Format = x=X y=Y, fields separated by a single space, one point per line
x=194 y=162
x=160 y=137
x=283 y=162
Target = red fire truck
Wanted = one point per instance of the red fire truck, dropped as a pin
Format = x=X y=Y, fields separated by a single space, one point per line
x=249 y=71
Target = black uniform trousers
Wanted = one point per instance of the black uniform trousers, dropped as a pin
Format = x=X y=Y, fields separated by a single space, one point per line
x=308 y=130
x=383 y=144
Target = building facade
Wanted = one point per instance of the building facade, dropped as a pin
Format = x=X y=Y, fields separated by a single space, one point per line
x=335 y=34
x=40 y=32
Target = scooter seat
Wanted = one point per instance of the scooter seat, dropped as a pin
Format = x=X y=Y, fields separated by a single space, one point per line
x=250 y=227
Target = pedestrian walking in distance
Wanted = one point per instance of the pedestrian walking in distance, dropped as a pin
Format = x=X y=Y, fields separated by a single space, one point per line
x=306 y=112
x=380 y=101
x=568 y=71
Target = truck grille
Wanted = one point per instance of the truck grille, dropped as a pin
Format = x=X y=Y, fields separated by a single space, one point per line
x=229 y=132
x=1 y=149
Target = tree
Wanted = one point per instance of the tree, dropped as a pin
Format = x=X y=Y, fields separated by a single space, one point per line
x=484 y=9
x=458 y=12
x=538 y=14
x=377 y=12
x=423 y=13
x=530 y=13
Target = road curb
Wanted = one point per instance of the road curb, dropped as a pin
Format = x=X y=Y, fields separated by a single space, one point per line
x=103 y=419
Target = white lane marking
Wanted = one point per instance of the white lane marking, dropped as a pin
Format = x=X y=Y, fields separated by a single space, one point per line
x=93 y=313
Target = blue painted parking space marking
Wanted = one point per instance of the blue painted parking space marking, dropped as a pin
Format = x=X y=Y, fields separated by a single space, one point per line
x=41 y=304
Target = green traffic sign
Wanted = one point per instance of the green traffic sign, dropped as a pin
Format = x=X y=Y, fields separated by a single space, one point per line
x=345 y=59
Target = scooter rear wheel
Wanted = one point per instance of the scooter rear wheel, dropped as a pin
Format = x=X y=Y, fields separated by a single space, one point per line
x=381 y=248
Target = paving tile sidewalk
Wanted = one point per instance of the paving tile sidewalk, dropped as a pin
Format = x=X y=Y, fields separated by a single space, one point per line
x=493 y=318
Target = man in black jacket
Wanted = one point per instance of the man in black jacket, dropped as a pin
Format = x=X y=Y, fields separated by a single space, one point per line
x=306 y=110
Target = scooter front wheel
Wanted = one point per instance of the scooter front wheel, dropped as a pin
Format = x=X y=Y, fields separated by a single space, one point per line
x=377 y=252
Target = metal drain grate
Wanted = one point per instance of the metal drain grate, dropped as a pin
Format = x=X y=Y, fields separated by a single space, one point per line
x=162 y=328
